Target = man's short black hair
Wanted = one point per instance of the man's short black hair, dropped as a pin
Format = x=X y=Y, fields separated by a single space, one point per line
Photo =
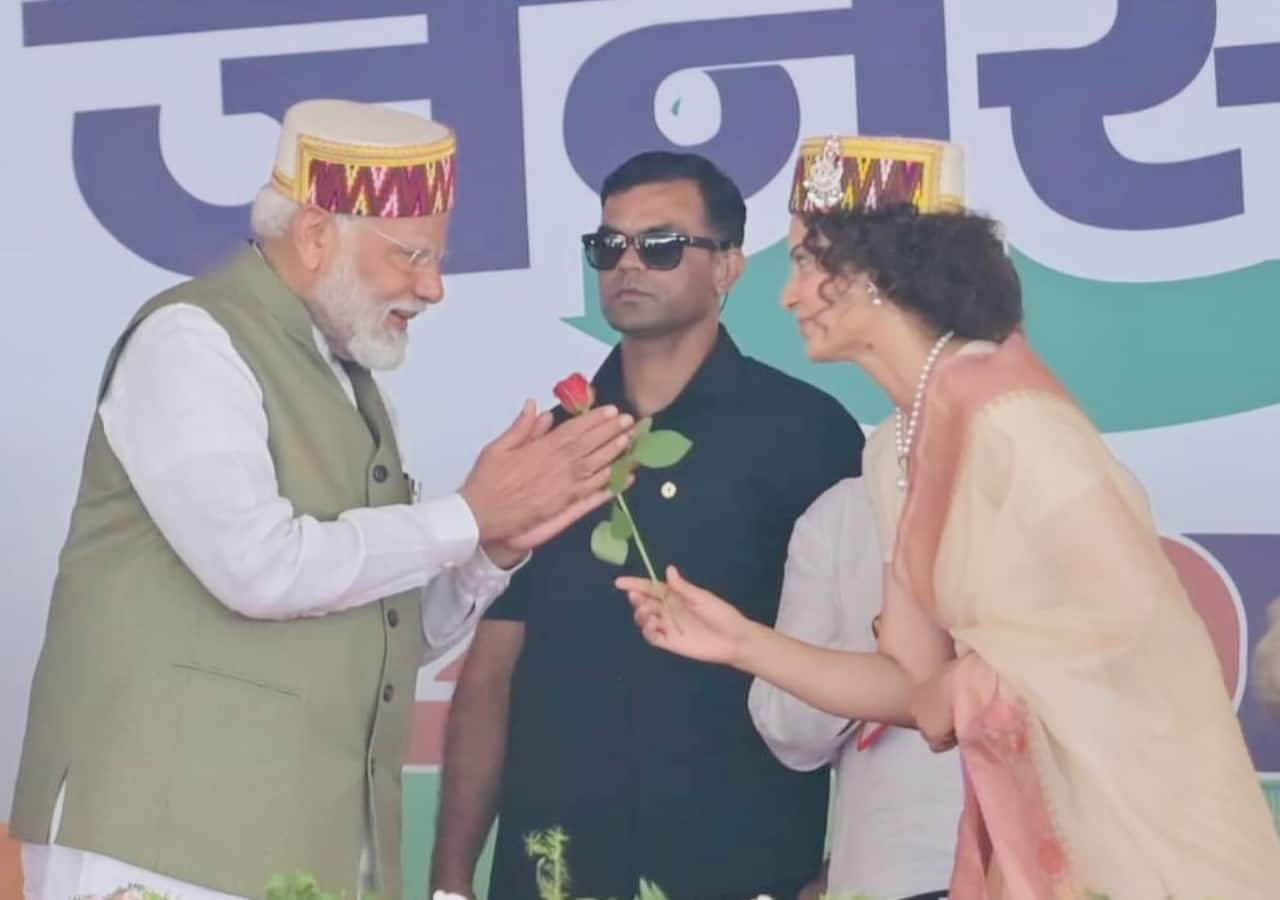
x=725 y=210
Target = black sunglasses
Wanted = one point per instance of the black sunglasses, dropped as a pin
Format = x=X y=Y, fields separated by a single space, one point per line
x=660 y=250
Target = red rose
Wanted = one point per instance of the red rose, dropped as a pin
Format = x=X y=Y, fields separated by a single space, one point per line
x=575 y=394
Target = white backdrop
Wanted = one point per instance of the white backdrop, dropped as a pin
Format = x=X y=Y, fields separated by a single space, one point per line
x=1135 y=170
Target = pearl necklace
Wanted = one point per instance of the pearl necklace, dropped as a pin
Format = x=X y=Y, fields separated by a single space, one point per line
x=903 y=436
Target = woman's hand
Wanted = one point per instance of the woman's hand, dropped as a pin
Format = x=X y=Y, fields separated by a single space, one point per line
x=932 y=710
x=682 y=618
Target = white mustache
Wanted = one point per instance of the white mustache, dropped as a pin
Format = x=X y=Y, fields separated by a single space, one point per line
x=407 y=307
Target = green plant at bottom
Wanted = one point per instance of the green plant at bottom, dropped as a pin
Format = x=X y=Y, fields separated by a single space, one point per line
x=303 y=886
x=548 y=850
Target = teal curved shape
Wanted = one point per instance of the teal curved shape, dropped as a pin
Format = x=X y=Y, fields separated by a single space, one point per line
x=1136 y=355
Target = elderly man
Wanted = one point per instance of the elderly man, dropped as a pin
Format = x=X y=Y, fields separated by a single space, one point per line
x=248 y=587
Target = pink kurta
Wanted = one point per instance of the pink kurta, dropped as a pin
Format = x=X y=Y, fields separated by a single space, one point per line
x=1101 y=750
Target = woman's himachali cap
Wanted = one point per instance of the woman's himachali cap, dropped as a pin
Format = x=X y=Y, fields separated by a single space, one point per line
x=851 y=174
x=362 y=159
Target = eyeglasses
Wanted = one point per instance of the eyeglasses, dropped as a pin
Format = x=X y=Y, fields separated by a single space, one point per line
x=660 y=250
x=417 y=257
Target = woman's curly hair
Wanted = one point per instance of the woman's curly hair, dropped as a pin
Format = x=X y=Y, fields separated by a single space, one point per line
x=949 y=268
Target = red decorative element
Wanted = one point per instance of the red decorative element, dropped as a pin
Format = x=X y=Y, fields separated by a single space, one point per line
x=426 y=733
x=1213 y=595
x=430 y=718
x=869 y=734
x=866 y=184
x=1020 y=743
x=1052 y=859
x=386 y=192
x=575 y=394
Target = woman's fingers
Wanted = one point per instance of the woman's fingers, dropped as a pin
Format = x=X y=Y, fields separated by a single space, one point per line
x=686 y=590
x=632 y=585
x=645 y=613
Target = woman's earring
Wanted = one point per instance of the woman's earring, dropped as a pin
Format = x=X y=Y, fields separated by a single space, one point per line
x=874 y=293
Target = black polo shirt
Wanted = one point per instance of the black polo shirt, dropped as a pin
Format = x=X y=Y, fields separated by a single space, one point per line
x=650 y=762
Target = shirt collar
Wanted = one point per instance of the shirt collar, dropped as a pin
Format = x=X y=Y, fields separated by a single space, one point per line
x=717 y=377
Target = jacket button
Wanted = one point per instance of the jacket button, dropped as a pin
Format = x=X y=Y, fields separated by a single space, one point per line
x=379 y=473
x=387 y=693
x=393 y=618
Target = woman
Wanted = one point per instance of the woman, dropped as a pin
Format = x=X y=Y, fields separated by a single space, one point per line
x=1029 y=614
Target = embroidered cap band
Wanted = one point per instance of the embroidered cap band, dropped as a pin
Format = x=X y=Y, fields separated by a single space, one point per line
x=866 y=173
x=363 y=159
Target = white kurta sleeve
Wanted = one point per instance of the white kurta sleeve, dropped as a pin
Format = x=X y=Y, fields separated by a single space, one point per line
x=184 y=415
x=830 y=593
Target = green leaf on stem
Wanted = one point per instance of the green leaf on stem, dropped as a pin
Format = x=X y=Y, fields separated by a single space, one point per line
x=619 y=524
x=659 y=449
x=606 y=547
x=619 y=473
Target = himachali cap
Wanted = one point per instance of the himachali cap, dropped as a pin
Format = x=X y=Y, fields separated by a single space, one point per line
x=362 y=159
x=848 y=174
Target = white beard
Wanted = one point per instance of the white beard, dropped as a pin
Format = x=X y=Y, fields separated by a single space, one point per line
x=354 y=319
